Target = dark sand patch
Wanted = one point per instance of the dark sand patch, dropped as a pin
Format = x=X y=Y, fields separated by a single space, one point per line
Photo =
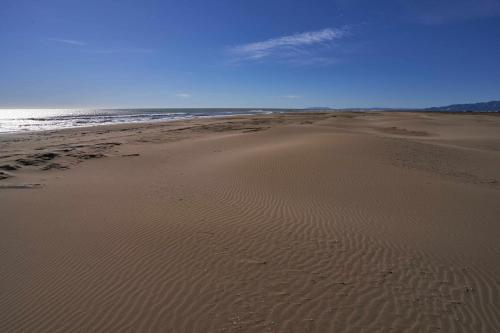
x=20 y=186
x=402 y=131
x=55 y=166
x=4 y=175
x=9 y=167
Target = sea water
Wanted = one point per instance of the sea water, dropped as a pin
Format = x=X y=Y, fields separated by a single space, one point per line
x=24 y=120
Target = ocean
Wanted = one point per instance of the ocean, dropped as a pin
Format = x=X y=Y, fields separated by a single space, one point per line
x=26 y=120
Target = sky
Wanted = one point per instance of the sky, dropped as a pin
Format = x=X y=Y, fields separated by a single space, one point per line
x=259 y=53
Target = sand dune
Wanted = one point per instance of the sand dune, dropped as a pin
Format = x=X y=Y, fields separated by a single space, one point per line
x=314 y=222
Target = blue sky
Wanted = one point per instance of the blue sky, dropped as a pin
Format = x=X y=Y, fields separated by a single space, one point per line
x=273 y=53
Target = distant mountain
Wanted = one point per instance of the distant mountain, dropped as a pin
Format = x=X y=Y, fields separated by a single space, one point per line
x=493 y=106
x=325 y=108
x=478 y=107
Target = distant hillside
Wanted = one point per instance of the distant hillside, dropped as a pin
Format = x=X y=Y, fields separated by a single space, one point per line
x=486 y=106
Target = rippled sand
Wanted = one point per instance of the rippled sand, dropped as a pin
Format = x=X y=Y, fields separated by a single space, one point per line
x=314 y=222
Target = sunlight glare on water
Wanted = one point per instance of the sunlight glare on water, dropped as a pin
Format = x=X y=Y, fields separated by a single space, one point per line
x=24 y=120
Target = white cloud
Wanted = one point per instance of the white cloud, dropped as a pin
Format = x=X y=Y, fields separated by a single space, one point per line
x=292 y=47
x=68 y=41
x=183 y=95
x=292 y=96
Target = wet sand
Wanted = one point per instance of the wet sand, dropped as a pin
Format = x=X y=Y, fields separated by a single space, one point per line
x=313 y=222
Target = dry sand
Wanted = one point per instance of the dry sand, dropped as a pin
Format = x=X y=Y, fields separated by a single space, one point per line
x=346 y=222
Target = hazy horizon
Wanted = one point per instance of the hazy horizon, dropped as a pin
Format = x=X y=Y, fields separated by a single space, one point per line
x=312 y=107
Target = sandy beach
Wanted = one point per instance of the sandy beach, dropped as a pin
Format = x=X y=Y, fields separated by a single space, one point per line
x=303 y=222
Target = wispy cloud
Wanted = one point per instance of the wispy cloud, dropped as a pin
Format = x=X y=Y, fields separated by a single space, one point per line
x=292 y=47
x=183 y=95
x=68 y=41
x=121 y=50
x=292 y=96
x=89 y=49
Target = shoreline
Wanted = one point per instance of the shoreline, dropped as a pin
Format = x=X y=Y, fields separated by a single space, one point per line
x=280 y=111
